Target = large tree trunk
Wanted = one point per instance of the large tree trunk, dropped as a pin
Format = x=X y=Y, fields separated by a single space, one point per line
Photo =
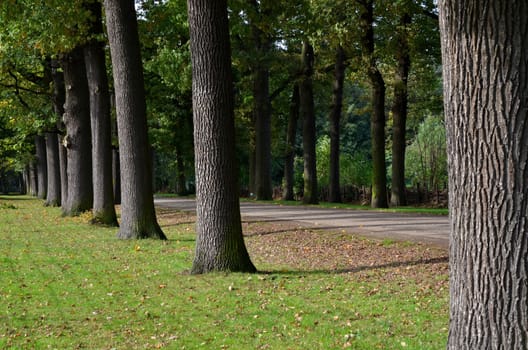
x=261 y=106
x=307 y=113
x=399 y=114
x=377 y=119
x=138 y=217
x=42 y=170
x=289 y=158
x=78 y=135
x=59 y=95
x=103 y=202
x=53 y=197
x=485 y=62
x=220 y=244
x=335 y=125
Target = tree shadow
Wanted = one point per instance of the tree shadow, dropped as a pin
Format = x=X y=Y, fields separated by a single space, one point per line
x=430 y=261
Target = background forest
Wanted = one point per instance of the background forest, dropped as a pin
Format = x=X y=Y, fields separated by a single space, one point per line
x=354 y=84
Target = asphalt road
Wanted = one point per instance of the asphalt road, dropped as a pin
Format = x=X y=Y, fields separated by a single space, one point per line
x=428 y=229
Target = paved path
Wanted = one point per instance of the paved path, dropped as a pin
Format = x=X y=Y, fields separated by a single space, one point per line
x=377 y=224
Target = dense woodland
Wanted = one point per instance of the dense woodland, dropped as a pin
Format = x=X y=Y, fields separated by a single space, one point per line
x=304 y=100
x=334 y=101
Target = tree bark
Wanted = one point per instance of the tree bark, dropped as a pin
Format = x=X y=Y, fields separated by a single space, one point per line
x=41 y=166
x=59 y=95
x=485 y=66
x=335 y=125
x=33 y=182
x=220 y=244
x=289 y=158
x=307 y=113
x=78 y=138
x=138 y=217
x=261 y=107
x=399 y=114
x=53 y=197
x=103 y=201
x=377 y=120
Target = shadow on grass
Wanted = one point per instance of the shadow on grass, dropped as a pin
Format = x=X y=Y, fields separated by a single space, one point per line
x=442 y=259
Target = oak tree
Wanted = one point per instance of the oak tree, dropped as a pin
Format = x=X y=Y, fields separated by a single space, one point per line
x=220 y=244
x=485 y=66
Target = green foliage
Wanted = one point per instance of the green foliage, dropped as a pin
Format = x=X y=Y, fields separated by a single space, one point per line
x=355 y=170
x=426 y=157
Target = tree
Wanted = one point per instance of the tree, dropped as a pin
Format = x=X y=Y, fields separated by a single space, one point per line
x=53 y=197
x=377 y=124
x=262 y=42
x=307 y=114
x=58 y=99
x=78 y=138
x=335 y=125
x=289 y=157
x=103 y=201
x=138 y=217
x=399 y=111
x=485 y=66
x=220 y=244
x=42 y=170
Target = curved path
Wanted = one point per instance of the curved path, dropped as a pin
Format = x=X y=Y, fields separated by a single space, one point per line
x=376 y=224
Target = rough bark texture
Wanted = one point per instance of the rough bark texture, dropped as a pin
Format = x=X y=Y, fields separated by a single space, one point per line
x=335 y=125
x=78 y=135
x=485 y=60
x=59 y=95
x=220 y=244
x=307 y=113
x=41 y=166
x=261 y=107
x=377 y=119
x=33 y=183
x=138 y=218
x=399 y=114
x=289 y=157
x=53 y=197
x=116 y=174
x=103 y=201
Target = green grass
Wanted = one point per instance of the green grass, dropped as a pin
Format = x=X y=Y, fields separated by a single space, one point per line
x=65 y=284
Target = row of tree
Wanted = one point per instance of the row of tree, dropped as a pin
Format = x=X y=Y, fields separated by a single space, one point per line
x=59 y=95
x=301 y=66
x=485 y=54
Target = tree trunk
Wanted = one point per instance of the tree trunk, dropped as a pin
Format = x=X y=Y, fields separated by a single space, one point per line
x=399 y=114
x=261 y=108
x=78 y=134
x=335 y=125
x=53 y=197
x=103 y=201
x=42 y=170
x=307 y=113
x=377 y=120
x=116 y=174
x=485 y=63
x=180 y=169
x=59 y=95
x=138 y=217
x=289 y=159
x=33 y=182
x=220 y=244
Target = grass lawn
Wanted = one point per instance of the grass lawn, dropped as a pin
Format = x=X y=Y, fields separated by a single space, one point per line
x=65 y=284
